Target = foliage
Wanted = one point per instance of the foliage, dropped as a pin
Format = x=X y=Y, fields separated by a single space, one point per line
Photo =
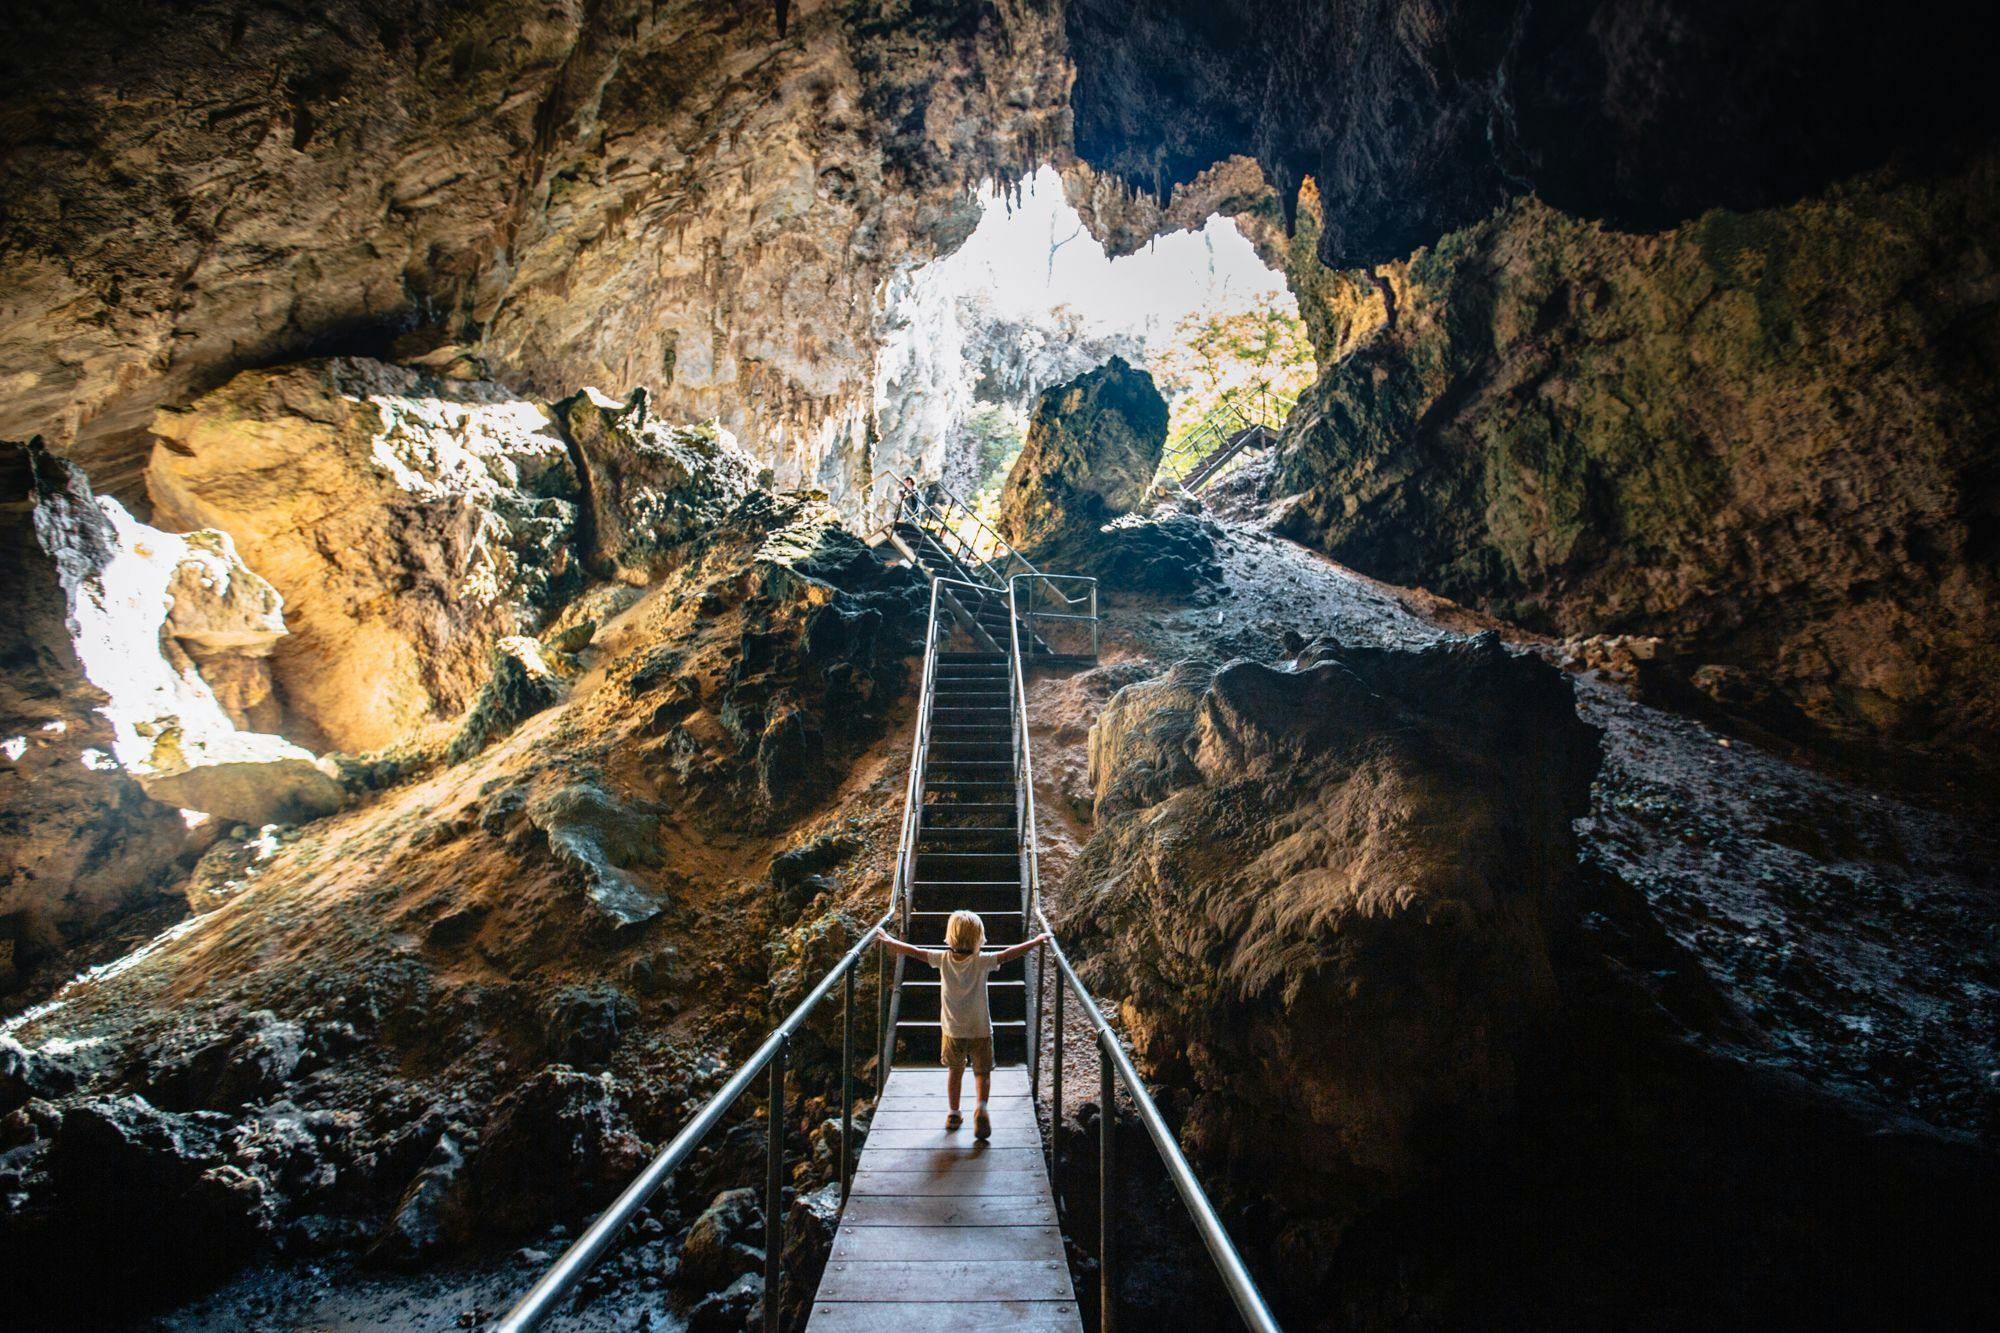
x=1215 y=358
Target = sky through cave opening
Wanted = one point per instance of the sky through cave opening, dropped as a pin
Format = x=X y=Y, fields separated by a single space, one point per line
x=1031 y=300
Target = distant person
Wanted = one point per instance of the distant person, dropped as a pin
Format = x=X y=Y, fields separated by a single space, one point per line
x=967 y=1021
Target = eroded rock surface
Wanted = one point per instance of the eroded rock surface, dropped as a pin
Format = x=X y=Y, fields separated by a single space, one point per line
x=1418 y=119
x=1093 y=446
x=701 y=201
x=409 y=521
x=1330 y=896
x=650 y=485
x=1759 y=438
x=467 y=1010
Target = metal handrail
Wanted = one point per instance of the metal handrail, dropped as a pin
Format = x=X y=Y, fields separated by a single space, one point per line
x=1114 y=1065
x=1257 y=407
x=541 y=1299
x=1051 y=584
x=1000 y=551
x=578 y=1260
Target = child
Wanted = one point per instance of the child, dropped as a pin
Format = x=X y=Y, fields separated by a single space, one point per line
x=967 y=1023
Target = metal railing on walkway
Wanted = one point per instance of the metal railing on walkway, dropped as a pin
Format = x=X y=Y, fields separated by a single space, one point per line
x=770 y=1059
x=1114 y=1067
x=1243 y=419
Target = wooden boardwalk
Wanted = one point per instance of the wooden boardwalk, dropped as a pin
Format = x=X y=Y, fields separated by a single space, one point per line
x=941 y=1231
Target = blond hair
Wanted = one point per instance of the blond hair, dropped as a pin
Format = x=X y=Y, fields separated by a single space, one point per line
x=965 y=932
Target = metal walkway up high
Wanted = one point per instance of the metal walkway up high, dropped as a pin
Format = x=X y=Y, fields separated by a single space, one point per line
x=937 y=1228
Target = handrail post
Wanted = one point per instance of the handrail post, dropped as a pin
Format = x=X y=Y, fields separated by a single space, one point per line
x=1107 y=1122
x=1055 y=1074
x=774 y=1191
x=846 y=1084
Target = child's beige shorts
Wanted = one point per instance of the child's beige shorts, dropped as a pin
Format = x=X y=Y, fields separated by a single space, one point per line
x=975 y=1051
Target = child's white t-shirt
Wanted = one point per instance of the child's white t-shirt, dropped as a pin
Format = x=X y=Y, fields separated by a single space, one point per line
x=962 y=1002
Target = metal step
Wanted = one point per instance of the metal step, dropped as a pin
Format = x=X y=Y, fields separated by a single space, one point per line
x=1002 y=928
x=1004 y=999
x=972 y=896
x=917 y=1043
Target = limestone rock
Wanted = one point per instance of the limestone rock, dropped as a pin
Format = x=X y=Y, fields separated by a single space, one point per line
x=725 y=1241
x=80 y=842
x=409 y=523
x=599 y=839
x=1093 y=446
x=1755 y=438
x=250 y=777
x=651 y=486
x=1331 y=926
x=227 y=618
x=1418 y=119
x=1138 y=751
x=689 y=199
x=559 y=1144
x=520 y=685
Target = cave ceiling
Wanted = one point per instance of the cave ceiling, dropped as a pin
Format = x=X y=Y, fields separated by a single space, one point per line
x=686 y=198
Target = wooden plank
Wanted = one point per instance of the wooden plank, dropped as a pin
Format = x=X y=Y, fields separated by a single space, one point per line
x=981 y=1210
x=966 y=1160
x=1011 y=1079
x=904 y=1316
x=919 y=1282
x=1006 y=1115
x=950 y=1183
x=1020 y=1133
x=938 y=1243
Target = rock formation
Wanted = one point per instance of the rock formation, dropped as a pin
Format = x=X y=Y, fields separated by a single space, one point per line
x=1757 y=437
x=1093 y=446
x=409 y=522
x=1418 y=120
x=1330 y=897
x=650 y=486
x=701 y=202
x=79 y=840
x=467 y=1009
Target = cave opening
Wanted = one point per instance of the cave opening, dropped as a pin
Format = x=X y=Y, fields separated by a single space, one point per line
x=1032 y=299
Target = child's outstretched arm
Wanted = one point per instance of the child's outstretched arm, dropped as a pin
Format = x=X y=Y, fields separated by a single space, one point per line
x=894 y=945
x=1014 y=951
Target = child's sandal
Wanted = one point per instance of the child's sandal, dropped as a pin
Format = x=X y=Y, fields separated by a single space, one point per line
x=954 y=1120
x=982 y=1128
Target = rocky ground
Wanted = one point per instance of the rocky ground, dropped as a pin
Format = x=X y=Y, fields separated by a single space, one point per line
x=1754 y=945
x=464 y=1011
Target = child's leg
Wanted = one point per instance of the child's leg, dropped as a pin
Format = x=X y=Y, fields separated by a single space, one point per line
x=983 y=1081
x=954 y=1079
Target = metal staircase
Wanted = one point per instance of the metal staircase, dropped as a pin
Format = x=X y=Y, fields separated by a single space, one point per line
x=940 y=534
x=1244 y=420
x=936 y=1228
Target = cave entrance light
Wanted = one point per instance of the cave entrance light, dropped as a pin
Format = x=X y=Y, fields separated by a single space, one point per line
x=1031 y=300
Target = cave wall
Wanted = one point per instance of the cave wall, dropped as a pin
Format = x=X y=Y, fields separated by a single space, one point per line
x=1765 y=438
x=1417 y=118
x=680 y=198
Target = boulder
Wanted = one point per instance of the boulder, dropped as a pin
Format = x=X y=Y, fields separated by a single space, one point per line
x=598 y=838
x=725 y=1241
x=1328 y=903
x=26 y=1074
x=651 y=486
x=409 y=523
x=559 y=1145
x=251 y=778
x=1092 y=448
